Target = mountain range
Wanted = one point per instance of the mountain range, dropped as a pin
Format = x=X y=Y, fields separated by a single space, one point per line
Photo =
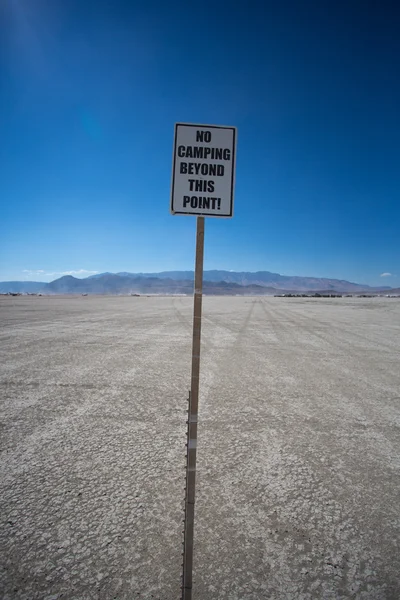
x=181 y=282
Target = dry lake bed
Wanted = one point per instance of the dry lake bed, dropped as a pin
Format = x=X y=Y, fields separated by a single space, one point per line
x=298 y=489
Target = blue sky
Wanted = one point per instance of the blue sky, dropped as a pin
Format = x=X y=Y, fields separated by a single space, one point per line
x=90 y=92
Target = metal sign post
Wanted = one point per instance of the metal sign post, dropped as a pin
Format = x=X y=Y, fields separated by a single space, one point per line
x=203 y=181
x=192 y=417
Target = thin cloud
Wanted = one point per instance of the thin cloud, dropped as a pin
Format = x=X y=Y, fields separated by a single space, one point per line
x=386 y=275
x=79 y=272
x=32 y=272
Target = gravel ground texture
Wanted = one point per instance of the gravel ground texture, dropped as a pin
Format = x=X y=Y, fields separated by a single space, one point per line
x=298 y=480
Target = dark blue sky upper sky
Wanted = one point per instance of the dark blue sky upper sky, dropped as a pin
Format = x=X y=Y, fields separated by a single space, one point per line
x=90 y=92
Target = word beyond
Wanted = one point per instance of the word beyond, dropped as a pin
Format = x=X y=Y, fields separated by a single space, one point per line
x=202 y=169
x=209 y=170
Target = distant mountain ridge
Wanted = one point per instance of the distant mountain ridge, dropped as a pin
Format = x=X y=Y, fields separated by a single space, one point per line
x=261 y=278
x=181 y=282
x=112 y=284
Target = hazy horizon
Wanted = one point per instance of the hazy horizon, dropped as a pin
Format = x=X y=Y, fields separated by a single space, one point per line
x=49 y=277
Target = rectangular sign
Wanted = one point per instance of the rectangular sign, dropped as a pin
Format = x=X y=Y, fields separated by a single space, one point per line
x=203 y=170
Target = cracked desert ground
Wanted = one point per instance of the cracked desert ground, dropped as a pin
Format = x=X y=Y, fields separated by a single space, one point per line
x=298 y=481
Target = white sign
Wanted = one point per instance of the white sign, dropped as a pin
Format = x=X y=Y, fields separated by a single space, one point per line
x=203 y=171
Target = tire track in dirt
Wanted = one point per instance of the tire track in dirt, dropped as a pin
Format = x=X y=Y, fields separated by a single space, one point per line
x=336 y=329
x=338 y=339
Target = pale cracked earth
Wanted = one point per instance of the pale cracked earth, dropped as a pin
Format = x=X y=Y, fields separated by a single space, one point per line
x=298 y=492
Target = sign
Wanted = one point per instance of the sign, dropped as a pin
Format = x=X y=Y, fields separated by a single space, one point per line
x=203 y=171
